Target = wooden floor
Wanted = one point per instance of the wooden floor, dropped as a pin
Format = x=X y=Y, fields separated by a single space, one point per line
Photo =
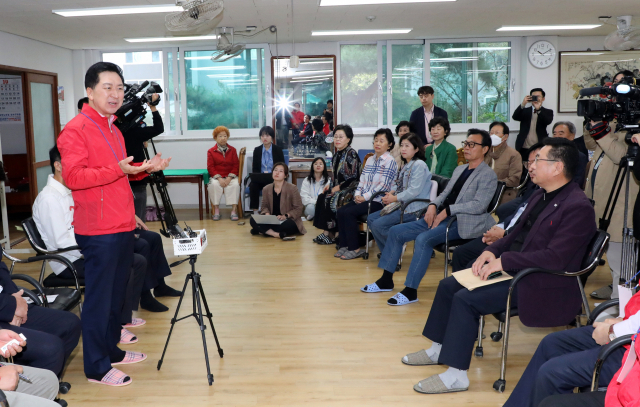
x=295 y=330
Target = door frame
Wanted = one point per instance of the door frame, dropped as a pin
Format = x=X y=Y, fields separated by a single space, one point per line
x=27 y=76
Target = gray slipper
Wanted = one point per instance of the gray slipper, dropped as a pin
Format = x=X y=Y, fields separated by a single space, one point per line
x=419 y=358
x=216 y=217
x=352 y=254
x=434 y=385
x=603 y=293
x=340 y=252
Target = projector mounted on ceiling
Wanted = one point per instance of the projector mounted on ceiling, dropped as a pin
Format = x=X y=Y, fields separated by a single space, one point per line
x=195 y=14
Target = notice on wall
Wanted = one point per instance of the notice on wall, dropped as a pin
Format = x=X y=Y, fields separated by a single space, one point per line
x=11 y=109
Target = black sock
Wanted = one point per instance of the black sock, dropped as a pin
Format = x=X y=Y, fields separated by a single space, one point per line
x=410 y=293
x=386 y=281
x=163 y=290
x=149 y=303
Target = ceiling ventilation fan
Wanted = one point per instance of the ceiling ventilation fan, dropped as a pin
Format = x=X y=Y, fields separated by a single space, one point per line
x=626 y=37
x=226 y=48
x=196 y=13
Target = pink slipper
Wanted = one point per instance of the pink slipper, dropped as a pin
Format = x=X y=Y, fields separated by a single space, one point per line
x=114 y=378
x=135 y=322
x=127 y=337
x=130 y=358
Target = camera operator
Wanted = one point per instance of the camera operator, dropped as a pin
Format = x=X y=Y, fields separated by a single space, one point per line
x=135 y=141
x=610 y=148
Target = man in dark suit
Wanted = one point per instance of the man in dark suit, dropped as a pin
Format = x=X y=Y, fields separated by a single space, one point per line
x=533 y=121
x=421 y=117
x=264 y=157
x=567 y=130
x=52 y=334
x=552 y=233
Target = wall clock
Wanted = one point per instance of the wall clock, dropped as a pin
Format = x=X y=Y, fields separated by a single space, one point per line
x=542 y=54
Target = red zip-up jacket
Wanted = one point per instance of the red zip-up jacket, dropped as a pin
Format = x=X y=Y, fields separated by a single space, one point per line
x=223 y=165
x=101 y=192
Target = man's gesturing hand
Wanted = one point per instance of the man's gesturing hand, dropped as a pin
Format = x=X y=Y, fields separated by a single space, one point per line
x=127 y=168
x=158 y=163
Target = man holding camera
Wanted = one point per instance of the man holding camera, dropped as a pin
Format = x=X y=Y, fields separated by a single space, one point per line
x=533 y=121
x=135 y=140
x=610 y=147
x=95 y=167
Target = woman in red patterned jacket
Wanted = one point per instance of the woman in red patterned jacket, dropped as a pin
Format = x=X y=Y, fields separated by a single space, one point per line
x=223 y=167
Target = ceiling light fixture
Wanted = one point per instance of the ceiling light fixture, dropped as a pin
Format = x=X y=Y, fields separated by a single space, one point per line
x=209 y=57
x=316 y=62
x=162 y=39
x=548 y=27
x=309 y=80
x=227 y=75
x=110 y=11
x=581 y=53
x=217 y=68
x=362 y=32
x=475 y=49
x=328 y=3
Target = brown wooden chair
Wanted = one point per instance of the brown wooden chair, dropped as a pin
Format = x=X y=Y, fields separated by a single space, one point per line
x=241 y=155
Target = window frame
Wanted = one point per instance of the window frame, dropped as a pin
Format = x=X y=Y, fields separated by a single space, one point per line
x=180 y=107
x=515 y=87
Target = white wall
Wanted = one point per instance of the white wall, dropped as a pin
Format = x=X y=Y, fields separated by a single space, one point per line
x=22 y=52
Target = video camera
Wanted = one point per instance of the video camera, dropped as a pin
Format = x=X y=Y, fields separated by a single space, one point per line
x=133 y=110
x=625 y=107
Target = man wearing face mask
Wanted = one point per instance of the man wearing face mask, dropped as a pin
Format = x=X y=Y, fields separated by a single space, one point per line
x=504 y=160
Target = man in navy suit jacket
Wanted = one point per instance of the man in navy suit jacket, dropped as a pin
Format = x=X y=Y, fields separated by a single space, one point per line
x=421 y=117
x=553 y=233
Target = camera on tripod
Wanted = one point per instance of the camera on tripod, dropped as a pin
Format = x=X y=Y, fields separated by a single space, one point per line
x=134 y=110
x=623 y=104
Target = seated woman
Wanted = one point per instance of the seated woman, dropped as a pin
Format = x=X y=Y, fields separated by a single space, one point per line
x=346 y=171
x=414 y=181
x=281 y=199
x=442 y=157
x=466 y=196
x=378 y=175
x=402 y=128
x=313 y=185
x=263 y=158
x=223 y=167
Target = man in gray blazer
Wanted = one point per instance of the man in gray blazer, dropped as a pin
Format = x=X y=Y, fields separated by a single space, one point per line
x=466 y=196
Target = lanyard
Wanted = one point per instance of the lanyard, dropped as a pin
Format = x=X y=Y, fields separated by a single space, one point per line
x=105 y=139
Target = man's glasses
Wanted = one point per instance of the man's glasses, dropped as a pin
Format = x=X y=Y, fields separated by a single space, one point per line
x=539 y=159
x=470 y=144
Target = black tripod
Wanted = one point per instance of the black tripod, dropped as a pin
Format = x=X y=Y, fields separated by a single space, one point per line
x=197 y=294
x=157 y=180
x=629 y=243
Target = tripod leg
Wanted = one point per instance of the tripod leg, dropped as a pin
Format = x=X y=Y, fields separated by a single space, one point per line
x=196 y=294
x=173 y=321
x=206 y=308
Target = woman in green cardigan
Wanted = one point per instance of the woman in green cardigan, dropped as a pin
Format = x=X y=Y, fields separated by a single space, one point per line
x=444 y=159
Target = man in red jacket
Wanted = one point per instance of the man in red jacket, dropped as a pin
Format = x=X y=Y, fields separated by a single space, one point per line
x=95 y=167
